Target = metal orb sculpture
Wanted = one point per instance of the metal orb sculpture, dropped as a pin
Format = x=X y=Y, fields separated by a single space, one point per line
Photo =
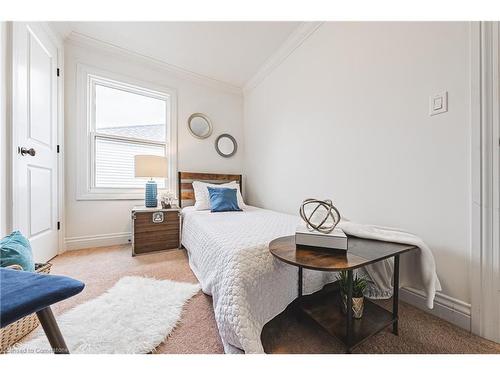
x=326 y=208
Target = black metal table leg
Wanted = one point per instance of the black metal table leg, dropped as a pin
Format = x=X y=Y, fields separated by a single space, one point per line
x=300 y=282
x=300 y=314
x=349 y=324
x=395 y=296
x=52 y=331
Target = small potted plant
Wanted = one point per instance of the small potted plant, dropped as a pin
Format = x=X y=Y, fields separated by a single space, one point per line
x=358 y=299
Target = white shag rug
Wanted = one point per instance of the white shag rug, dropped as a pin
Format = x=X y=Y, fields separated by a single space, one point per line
x=134 y=316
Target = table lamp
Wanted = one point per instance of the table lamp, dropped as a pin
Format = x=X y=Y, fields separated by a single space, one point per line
x=150 y=166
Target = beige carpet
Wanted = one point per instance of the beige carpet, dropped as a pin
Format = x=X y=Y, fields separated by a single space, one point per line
x=197 y=332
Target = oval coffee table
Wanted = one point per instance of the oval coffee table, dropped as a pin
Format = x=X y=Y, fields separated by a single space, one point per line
x=324 y=307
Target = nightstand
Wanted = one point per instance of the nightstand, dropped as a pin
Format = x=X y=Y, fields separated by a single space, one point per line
x=155 y=229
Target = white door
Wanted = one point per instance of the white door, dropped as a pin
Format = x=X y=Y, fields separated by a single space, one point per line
x=34 y=119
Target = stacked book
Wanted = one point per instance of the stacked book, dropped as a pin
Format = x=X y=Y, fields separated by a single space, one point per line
x=336 y=239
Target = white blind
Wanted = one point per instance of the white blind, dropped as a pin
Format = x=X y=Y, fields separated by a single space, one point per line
x=114 y=163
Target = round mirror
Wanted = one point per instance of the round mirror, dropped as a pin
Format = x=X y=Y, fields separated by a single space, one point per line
x=226 y=145
x=199 y=125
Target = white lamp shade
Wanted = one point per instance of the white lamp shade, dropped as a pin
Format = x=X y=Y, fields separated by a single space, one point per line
x=150 y=166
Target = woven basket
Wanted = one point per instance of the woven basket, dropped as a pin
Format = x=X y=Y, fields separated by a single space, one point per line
x=14 y=332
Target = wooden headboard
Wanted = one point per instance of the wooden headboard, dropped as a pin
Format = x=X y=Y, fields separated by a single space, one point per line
x=185 y=184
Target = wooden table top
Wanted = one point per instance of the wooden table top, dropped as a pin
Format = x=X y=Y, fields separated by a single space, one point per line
x=361 y=252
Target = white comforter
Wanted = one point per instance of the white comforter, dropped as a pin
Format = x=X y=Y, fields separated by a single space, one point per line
x=229 y=254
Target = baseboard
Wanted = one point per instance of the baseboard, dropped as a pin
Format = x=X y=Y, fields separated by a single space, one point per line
x=447 y=308
x=83 y=242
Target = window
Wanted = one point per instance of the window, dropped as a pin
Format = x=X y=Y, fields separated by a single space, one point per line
x=123 y=120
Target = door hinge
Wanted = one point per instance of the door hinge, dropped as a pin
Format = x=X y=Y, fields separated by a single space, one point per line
x=58 y=74
x=58 y=149
x=58 y=225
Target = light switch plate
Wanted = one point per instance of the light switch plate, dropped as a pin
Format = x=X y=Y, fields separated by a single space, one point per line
x=438 y=103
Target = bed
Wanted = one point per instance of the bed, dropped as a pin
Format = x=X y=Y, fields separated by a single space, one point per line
x=228 y=252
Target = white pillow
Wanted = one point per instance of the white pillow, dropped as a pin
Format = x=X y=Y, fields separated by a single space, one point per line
x=202 y=198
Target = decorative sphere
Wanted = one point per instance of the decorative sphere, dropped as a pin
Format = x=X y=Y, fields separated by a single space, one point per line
x=320 y=215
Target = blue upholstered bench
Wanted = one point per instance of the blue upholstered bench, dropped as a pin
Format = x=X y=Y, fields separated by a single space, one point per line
x=23 y=293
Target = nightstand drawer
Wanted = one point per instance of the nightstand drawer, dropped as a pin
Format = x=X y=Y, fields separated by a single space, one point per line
x=155 y=230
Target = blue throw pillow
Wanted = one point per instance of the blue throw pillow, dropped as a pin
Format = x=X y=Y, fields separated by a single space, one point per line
x=223 y=199
x=16 y=249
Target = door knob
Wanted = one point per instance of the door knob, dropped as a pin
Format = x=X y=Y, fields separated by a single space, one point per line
x=23 y=151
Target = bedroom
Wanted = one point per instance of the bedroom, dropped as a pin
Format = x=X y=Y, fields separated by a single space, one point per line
x=116 y=137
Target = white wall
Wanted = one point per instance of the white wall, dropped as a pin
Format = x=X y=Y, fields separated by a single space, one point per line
x=345 y=116
x=97 y=223
x=4 y=134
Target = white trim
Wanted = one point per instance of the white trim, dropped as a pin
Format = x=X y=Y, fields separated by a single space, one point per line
x=60 y=142
x=3 y=124
x=5 y=115
x=84 y=190
x=13 y=129
x=485 y=256
x=475 y=174
x=59 y=42
x=85 y=242
x=447 y=308
x=295 y=40
x=10 y=116
x=81 y=40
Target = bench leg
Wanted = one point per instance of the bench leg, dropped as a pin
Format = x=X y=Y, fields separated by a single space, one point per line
x=52 y=331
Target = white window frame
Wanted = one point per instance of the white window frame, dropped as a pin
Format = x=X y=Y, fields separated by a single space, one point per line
x=87 y=78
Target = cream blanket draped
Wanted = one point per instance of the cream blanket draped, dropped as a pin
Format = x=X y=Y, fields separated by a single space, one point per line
x=417 y=268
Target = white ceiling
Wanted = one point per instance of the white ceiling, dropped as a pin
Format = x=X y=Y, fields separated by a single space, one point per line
x=230 y=52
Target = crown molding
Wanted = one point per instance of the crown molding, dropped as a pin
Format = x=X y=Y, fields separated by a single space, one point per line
x=81 y=40
x=51 y=32
x=62 y=31
x=295 y=40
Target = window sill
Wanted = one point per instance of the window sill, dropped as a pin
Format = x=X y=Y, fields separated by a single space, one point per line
x=107 y=195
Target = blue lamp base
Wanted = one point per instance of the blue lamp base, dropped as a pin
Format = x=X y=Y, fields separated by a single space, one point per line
x=150 y=194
